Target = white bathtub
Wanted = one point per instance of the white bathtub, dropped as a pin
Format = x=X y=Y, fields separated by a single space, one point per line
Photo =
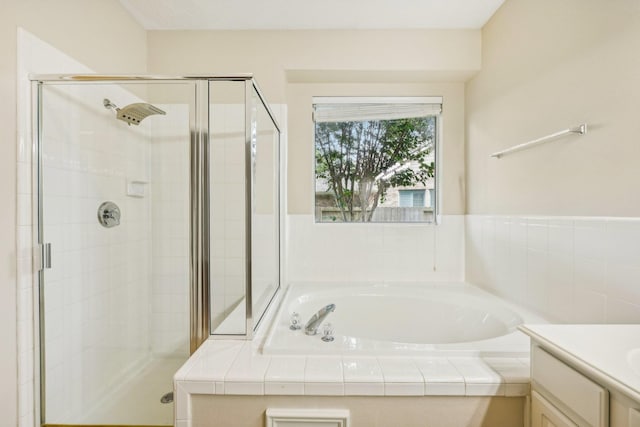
x=444 y=319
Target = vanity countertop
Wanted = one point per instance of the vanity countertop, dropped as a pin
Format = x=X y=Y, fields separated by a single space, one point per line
x=608 y=353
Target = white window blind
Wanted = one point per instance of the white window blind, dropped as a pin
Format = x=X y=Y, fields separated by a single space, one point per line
x=337 y=109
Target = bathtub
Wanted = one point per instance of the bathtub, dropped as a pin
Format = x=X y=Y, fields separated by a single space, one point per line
x=434 y=319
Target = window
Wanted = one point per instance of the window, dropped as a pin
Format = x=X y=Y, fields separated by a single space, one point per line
x=375 y=159
x=411 y=198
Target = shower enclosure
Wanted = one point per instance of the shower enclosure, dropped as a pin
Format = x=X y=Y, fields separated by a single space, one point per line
x=158 y=226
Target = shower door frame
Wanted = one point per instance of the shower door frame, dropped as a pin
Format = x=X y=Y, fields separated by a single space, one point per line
x=199 y=202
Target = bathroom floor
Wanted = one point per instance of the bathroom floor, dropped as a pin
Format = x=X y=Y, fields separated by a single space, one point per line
x=138 y=401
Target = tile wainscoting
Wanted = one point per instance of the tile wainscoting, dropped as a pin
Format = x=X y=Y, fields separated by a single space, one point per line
x=569 y=269
x=374 y=252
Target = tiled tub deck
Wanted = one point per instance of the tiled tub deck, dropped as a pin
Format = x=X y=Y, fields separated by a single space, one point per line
x=231 y=367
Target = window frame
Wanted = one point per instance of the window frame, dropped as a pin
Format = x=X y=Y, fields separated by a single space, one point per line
x=434 y=220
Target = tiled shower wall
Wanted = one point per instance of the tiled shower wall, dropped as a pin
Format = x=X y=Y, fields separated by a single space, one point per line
x=97 y=291
x=227 y=218
x=170 y=147
x=34 y=56
x=100 y=287
x=575 y=270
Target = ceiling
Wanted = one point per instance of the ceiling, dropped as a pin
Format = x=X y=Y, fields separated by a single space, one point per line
x=310 y=14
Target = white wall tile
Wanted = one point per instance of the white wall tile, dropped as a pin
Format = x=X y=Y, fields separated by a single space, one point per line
x=403 y=389
x=400 y=370
x=620 y=311
x=478 y=389
x=248 y=367
x=374 y=252
x=621 y=282
x=245 y=388
x=476 y=371
x=324 y=389
x=568 y=269
x=500 y=278
x=560 y=235
x=537 y=295
x=25 y=213
x=286 y=369
x=560 y=286
x=512 y=370
x=323 y=370
x=438 y=370
x=364 y=388
x=590 y=239
x=449 y=256
x=362 y=370
x=519 y=232
x=538 y=235
x=589 y=307
x=214 y=363
x=444 y=389
x=489 y=250
x=623 y=241
x=401 y=376
x=284 y=388
x=183 y=410
x=473 y=247
x=589 y=273
x=197 y=387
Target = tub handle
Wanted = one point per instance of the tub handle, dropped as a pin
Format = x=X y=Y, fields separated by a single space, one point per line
x=327 y=332
x=295 y=321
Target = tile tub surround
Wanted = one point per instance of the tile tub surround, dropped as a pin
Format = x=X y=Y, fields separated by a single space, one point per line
x=569 y=269
x=231 y=367
x=380 y=252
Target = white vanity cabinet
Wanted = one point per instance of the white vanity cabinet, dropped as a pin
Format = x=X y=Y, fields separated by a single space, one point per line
x=544 y=414
x=582 y=375
x=562 y=396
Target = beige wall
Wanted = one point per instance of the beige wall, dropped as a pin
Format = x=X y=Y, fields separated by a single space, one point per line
x=270 y=55
x=405 y=411
x=548 y=65
x=292 y=66
x=104 y=37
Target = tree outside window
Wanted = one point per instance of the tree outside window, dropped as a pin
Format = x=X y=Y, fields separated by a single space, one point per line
x=364 y=166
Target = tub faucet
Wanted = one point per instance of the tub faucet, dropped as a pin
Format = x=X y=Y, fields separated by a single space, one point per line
x=311 y=328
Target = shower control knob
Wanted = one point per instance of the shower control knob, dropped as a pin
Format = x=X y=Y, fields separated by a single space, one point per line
x=109 y=214
x=295 y=321
x=327 y=333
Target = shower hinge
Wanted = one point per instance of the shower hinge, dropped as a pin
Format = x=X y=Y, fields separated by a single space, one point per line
x=42 y=256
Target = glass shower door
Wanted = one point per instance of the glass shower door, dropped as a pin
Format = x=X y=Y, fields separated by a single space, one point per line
x=114 y=185
x=265 y=214
x=245 y=207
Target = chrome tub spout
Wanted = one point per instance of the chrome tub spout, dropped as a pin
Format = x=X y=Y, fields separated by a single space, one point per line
x=311 y=328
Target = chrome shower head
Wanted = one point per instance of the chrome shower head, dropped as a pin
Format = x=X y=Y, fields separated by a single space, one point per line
x=133 y=113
